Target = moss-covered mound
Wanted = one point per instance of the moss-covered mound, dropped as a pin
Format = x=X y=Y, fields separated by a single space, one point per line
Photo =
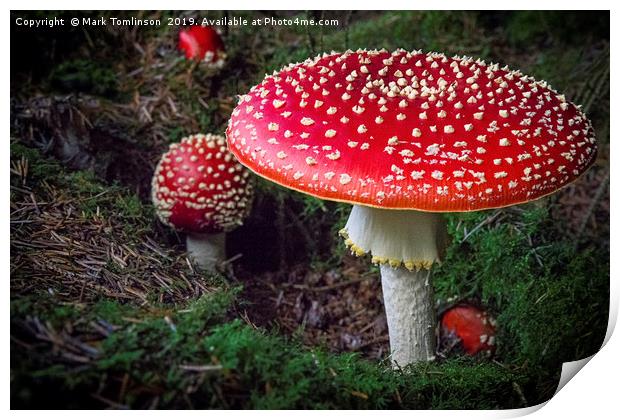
x=108 y=311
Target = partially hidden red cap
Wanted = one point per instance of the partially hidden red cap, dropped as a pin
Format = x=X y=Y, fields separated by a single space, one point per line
x=202 y=43
x=474 y=327
x=409 y=130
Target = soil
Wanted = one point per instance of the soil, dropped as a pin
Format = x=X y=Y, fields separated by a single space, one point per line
x=340 y=309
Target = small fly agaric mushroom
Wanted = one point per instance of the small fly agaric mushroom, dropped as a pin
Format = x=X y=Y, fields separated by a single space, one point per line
x=201 y=189
x=469 y=326
x=202 y=43
x=405 y=136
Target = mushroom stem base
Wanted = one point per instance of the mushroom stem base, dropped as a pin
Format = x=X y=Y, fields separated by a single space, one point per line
x=408 y=298
x=206 y=249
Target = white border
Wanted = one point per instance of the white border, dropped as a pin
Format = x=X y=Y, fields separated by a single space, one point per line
x=593 y=393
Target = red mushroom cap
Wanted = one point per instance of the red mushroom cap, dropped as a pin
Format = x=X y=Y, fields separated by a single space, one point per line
x=202 y=43
x=473 y=326
x=200 y=187
x=408 y=130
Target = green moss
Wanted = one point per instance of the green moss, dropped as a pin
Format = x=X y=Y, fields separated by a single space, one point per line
x=86 y=76
x=288 y=377
x=39 y=168
x=269 y=372
x=88 y=192
x=111 y=311
x=550 y=297
x=44 y=305
x=151 y=347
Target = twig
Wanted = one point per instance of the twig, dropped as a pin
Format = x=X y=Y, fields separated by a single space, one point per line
x=597 y=197
x=481 y=224
x=378 y=340
x=201 y=368
x=336 y=286
x=519 y=392
x=109 y=402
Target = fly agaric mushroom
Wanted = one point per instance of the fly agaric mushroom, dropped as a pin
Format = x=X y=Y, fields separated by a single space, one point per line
x=202 y=43
x=201 y=189
x=470 y=326
x=405 y=136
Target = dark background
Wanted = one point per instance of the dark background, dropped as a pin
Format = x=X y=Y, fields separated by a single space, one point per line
x=106 y=311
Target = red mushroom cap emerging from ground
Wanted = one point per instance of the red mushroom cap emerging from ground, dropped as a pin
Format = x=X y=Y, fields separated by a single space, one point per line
x=408 y=130
x=199 y=187
x=202 y=43
x=472 y=326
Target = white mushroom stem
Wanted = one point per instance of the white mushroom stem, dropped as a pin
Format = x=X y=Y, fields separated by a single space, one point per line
x=408 y=299
x=206 y=249
x=406 y=243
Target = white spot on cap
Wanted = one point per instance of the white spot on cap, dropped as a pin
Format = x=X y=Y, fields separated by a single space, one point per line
x=417 y=174
x=437 y=175
x=334 y=155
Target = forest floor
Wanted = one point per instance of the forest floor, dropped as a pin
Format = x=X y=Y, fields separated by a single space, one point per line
x=105 y=303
